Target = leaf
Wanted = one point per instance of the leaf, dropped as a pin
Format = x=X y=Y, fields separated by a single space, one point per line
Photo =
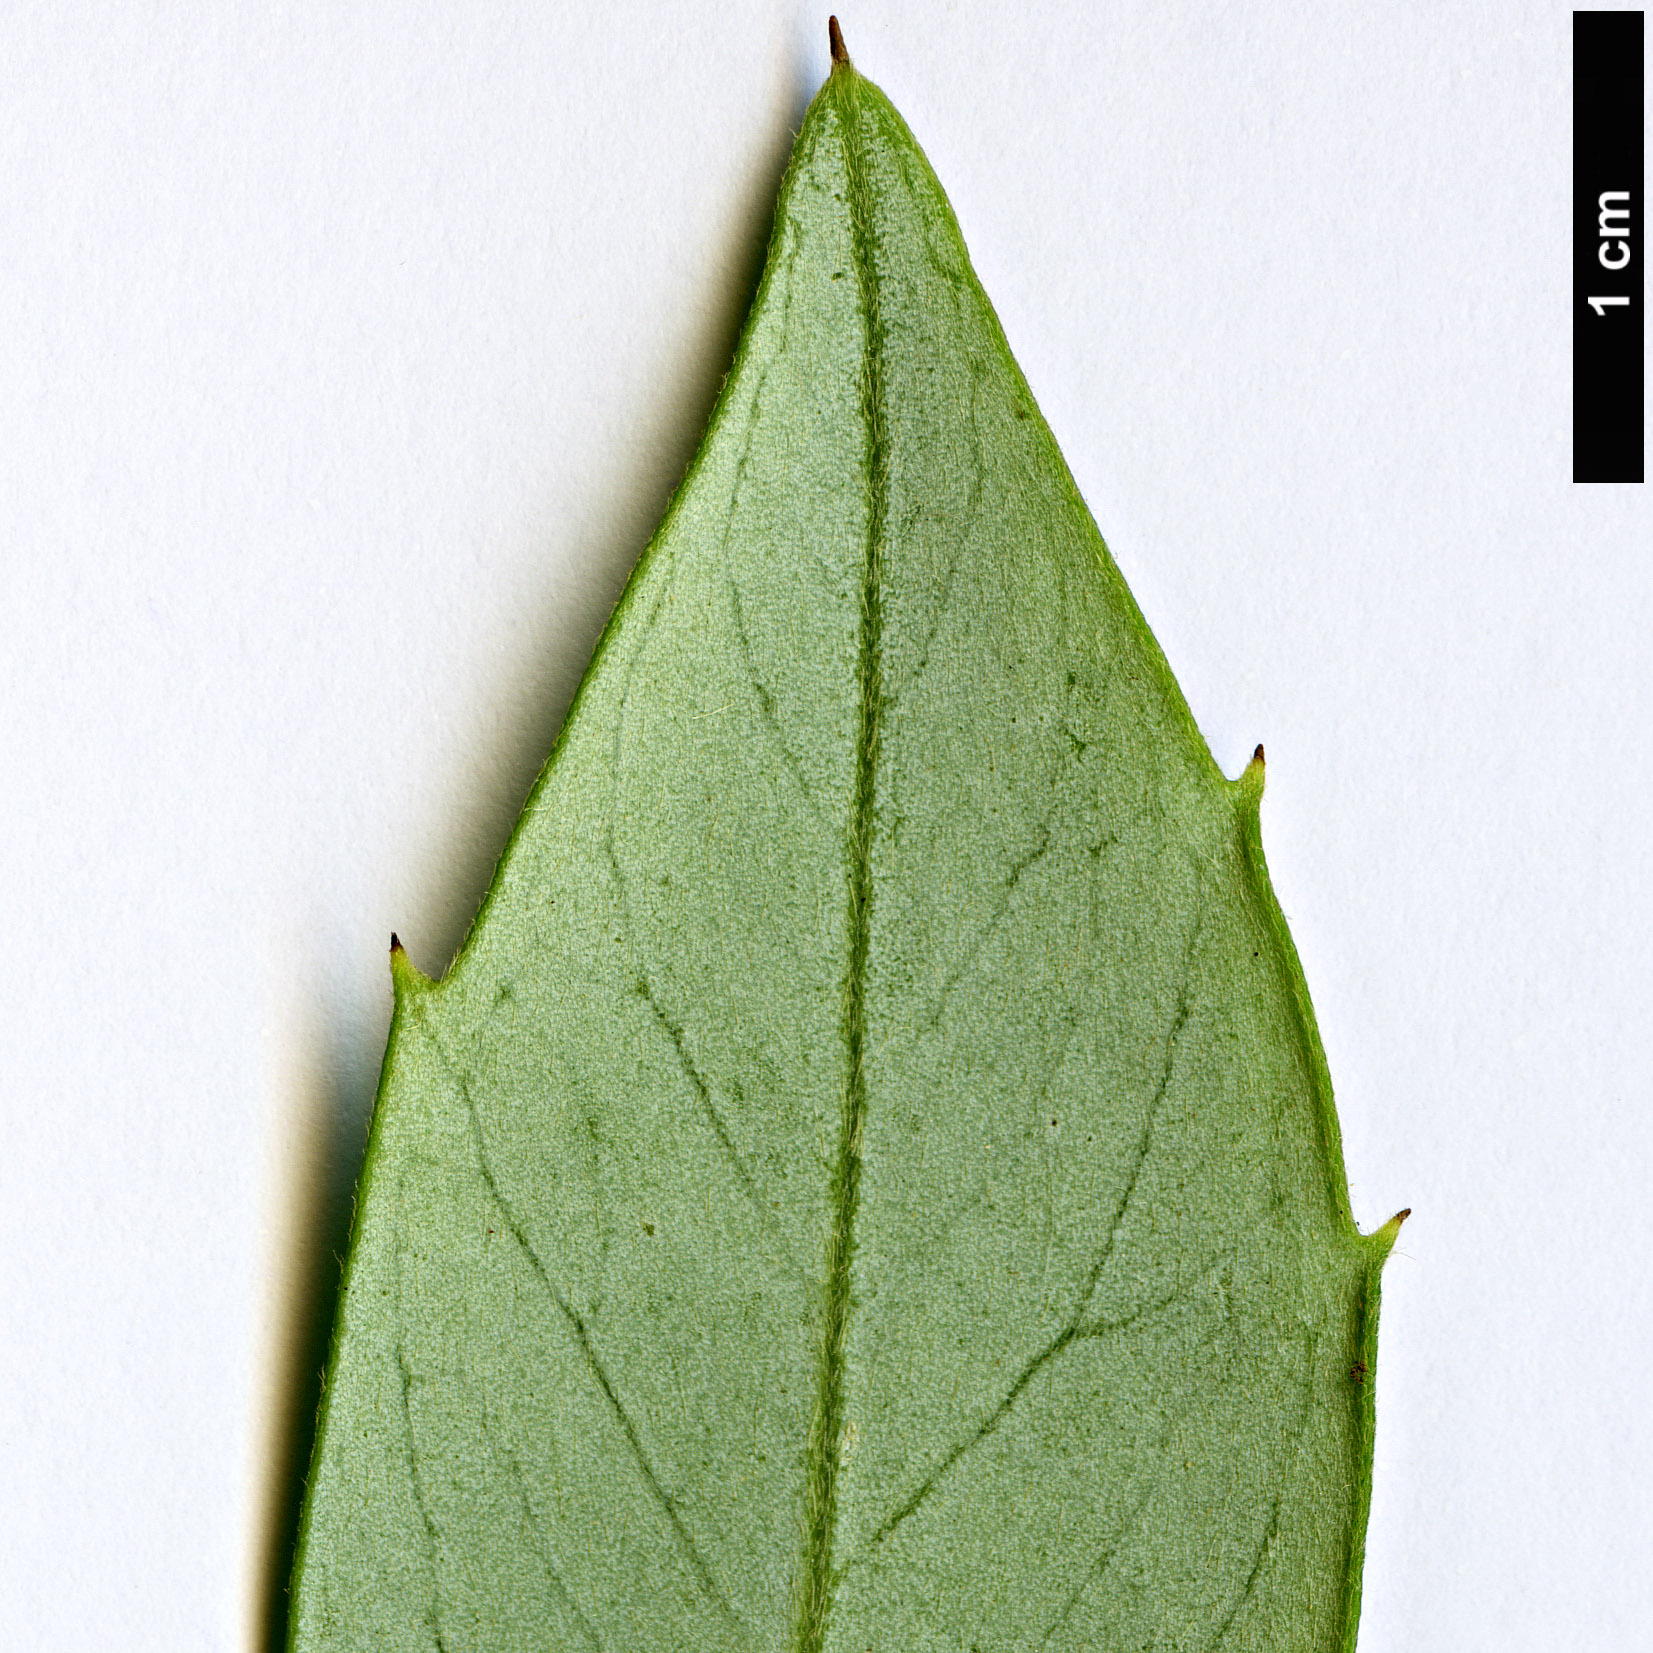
x=870 y=1179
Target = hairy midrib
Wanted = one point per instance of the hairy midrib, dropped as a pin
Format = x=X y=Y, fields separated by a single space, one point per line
x=826 y=1432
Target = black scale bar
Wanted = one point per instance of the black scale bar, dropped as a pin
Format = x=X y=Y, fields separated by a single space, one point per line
x=1608 y=246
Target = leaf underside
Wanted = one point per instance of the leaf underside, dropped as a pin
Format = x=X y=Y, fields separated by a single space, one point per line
x=870 y=1180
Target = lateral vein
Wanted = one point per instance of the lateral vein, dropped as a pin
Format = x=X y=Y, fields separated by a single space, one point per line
x=582 y=1338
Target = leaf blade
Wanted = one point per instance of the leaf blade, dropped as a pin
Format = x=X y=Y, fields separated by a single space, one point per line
x=879 y=835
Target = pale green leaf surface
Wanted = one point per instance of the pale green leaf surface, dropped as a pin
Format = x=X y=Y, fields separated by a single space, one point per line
x=870 y=1180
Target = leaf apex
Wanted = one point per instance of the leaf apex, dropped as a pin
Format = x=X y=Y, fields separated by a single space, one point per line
x=835 y=39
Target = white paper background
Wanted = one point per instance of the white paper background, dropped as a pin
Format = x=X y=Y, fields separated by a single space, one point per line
x=347 y=357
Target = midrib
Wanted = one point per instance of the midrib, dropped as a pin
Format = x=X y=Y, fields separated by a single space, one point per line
x=826 y=1433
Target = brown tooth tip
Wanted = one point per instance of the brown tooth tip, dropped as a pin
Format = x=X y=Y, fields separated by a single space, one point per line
x=1257 y=756
x=395 y=942
x=835 y=38
x=1401 y=1216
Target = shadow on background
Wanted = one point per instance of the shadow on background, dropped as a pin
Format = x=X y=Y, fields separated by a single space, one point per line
x=332 y=1093
x=331 y=1103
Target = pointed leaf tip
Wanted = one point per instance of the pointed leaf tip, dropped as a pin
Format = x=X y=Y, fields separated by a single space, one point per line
x=1257 y=756
x=1386 y=1236
x=404 y=973
x=835 y=38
